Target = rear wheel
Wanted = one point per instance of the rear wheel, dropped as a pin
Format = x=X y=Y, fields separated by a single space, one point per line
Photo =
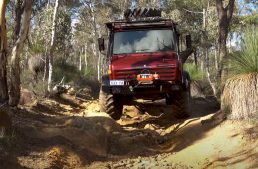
x=110 y=103
x=181 y=102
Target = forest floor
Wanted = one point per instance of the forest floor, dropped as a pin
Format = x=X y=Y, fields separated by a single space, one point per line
x=70 y=132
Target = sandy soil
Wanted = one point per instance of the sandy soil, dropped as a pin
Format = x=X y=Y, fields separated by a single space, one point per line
x=71 y=132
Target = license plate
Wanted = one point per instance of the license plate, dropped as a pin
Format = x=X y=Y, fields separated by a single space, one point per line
x=116 y=82
x=145 y=76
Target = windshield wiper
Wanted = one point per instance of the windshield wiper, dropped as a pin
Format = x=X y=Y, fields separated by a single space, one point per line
x=141 y=50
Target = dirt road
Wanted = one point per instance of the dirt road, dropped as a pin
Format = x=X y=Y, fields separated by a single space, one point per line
x=69 y=132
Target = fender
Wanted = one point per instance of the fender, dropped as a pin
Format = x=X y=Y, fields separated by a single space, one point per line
x=186 y=80
x=105 y=80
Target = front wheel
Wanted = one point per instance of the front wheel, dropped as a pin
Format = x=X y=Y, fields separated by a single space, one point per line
x=110 y=103
x=181 y=102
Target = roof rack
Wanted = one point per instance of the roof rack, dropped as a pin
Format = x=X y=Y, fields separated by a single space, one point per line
x=135 y=20
x=140 y=16
x=142 y=13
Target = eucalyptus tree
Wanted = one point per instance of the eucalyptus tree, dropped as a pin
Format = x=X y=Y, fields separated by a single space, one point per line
x=225 y=13
x=52 y=45
x=90 y=26
x=3 y=54
x=23 y=27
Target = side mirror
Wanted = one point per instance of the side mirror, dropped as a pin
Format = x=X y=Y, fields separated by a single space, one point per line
x=188 y=41
x=101 y=43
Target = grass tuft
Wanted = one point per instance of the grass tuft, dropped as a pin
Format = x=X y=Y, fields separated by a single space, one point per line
x=246 y=60
x=195 y=74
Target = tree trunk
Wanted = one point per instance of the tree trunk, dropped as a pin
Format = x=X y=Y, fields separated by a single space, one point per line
x=46 y=59
x=46 y=41
x=207 y=67
x=96 y=34
x=99 y=66
x=216 y=59
x=14 y=92
x=240 y=96
x=80 y=60
x=85 y=58
x=225 y=16
x=3 y=54
x=18 y=15
x=52 y=46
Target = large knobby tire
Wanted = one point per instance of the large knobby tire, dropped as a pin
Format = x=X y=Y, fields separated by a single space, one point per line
x=181 y=102
x=110 y=103
x=169 y=99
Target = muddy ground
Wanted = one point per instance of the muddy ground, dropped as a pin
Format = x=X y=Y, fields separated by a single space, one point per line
x=70 y=132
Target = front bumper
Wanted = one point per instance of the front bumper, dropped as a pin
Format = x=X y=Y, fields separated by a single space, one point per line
x=154 y=88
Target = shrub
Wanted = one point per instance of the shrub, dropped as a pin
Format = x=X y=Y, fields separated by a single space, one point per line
x=195 y=74
x=63 y=69
x=246 y=60
x=89 y=73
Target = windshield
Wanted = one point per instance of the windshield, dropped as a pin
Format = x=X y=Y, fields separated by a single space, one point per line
x=144 y=41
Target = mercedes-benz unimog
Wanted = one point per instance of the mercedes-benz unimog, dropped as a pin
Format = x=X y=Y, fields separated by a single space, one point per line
x=145 y=62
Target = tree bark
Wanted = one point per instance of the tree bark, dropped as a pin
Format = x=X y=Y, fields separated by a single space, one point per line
x=80 y=60
x=14 y=92
x=3 y=54
x=18 y=14
x=85 y=58
x=225 y=16
x=96 y=34
x=52 y=47
x=240 y=96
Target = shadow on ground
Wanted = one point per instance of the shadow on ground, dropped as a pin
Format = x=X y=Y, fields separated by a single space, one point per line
x=52 y=139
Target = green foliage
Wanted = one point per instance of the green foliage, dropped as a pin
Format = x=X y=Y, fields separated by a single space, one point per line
x=89 y=72
x=195 y=74
x=68 y=71
x=250 y=19
x=37 y=48
x=63 y=31
x=71 y=73
x=246 y=60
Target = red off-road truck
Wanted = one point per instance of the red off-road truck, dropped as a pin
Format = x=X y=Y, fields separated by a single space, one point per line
x=145 y=62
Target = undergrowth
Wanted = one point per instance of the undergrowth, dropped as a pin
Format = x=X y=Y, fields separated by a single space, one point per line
x=195 y=73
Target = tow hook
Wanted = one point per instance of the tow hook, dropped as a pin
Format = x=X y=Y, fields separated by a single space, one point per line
x=131 y=88
x=160 y=88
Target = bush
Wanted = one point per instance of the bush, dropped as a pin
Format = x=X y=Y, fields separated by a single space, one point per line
x=71 y=72
x=246 y=60
x=37 y=48
x=195 y=74
x=89 y=73
x=63 y=69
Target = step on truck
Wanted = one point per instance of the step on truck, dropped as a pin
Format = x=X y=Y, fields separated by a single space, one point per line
x=145 y=62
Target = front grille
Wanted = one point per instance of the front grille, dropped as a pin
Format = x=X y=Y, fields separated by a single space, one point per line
x=166 y=74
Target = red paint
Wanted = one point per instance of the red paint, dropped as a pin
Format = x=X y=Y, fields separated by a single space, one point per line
x=128 y=66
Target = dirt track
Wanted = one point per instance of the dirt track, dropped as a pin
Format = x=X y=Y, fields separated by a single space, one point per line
x=69 y=132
